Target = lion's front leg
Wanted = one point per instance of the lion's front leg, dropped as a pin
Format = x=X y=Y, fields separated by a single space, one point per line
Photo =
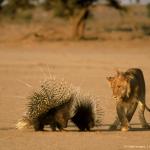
x=115 y=124
x=122 y=117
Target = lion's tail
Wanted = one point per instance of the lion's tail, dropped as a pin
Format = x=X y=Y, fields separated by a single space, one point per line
x=147 y=108
x=142 y=104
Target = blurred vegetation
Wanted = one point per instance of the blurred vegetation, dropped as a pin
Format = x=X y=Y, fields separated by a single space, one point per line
x=77 y=11
x=1 y=1
x=47 y=4
x=69 y=7
x=17 y=8
x=76 y=14
x=148 y=9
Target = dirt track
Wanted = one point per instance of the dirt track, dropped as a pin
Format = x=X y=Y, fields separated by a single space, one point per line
x=85 y=64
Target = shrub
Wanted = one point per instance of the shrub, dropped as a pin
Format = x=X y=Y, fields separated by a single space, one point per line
x=1 y=2
x=148 y=9
x=69 y=7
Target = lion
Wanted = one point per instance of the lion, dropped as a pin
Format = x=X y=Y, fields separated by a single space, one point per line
x=128 y=90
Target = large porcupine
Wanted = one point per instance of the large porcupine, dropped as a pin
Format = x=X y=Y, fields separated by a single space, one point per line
x=56 y=102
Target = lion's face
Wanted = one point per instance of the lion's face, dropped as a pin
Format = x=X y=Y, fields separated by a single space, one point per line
x=120 y=86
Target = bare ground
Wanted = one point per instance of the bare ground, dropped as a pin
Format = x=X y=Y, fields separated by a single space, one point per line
x=84 y=64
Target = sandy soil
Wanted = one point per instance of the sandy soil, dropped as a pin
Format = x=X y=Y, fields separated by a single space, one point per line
x=84 y=64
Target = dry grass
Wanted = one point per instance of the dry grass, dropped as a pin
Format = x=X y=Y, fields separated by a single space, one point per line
x=105 y=24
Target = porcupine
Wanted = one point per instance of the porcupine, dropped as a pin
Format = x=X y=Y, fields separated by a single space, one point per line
x=56 y=102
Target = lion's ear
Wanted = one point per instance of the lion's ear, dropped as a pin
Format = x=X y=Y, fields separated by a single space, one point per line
x=110 y=79
x=118 y=72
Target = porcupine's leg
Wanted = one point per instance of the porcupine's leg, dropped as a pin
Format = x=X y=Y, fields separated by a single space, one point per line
x=90 y=125
x=55 y=119
x=38 y=125
x=53 y=126
x=50 y=120
x=61 y=121
x=88 y=128
x=59 y=126
x=62 y=116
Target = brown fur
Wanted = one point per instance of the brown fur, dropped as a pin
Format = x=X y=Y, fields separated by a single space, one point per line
x=128 y=90
x=57 y=118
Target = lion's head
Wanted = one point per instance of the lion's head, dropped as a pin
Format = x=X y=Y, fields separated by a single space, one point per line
x=120 y=85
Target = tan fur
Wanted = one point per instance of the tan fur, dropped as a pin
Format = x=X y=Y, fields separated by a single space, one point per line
x=128 y=90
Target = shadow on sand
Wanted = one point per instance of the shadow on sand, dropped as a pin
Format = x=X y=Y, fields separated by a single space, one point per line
x=72 y=128
x=105 y=128
x=6 y=128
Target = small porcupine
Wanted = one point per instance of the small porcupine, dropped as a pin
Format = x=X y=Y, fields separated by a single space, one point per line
x=56 y=102
x=86 y=111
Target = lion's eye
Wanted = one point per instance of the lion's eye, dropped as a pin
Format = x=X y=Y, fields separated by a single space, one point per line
x=119 y=86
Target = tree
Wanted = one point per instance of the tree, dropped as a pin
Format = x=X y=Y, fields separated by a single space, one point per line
x=14 y=5
x=47 y=4
x=76 y=10
x=138 y=1
x=1 y=2
x=116 y=4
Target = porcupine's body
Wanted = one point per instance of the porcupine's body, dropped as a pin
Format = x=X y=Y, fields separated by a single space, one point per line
x=86 y=111
x=55 y=103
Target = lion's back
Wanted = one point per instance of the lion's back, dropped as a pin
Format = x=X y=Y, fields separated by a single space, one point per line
x=138 y=82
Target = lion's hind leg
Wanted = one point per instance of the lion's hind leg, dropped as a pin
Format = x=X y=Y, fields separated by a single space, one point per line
x=142 y=117
x=131 y=110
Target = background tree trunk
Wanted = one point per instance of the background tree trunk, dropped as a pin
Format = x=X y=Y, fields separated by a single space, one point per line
x=79 y=23
x=1 y=1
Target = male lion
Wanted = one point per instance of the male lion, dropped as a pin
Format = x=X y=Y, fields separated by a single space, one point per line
x=128 y=90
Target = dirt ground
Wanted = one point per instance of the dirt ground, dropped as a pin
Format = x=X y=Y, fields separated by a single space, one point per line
x=83 y=63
